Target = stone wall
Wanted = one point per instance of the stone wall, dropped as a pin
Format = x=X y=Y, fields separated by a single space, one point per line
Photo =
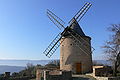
x=70 y=54
x=107 y=78
x=53 y=75
x=64 y=75
x=105 y=71
x=114 y=78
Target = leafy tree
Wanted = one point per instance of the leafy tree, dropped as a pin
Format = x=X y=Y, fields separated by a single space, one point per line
x=15 y=74
x=112 y=47
x=1 y=75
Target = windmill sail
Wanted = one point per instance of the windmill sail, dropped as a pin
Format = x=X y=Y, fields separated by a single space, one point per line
x=53 y=46
x=81 y=12
x=75 y=32
x=56 y=20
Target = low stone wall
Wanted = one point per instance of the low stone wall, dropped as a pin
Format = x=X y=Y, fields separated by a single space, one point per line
x=53 y=75
x=114 y=78
x=64 y=75
x=105 y=71
x=101 y=78
x=107 y=78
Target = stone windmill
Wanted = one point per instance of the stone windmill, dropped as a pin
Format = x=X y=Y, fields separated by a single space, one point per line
x=75 y=46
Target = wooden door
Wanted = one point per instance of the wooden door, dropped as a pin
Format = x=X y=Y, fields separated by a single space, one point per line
x=78 y=68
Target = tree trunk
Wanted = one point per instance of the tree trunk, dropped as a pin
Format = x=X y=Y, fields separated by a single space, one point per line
x=115 y=69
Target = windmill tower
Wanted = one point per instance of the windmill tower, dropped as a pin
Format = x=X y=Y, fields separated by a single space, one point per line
x=75 y=46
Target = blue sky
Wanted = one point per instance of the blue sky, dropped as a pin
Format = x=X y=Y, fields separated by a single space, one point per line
x=25 y=30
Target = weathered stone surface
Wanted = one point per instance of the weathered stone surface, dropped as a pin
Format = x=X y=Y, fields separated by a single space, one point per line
x=60 y=75
x=70 y=54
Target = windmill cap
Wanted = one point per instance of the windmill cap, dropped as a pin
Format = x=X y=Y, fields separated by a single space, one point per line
x=76 y=27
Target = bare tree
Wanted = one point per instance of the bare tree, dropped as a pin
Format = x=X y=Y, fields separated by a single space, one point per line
x=112 y=47
x=56 y=62
x=53 y=63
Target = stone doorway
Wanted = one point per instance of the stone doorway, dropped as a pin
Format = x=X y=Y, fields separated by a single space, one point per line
x=78 y=68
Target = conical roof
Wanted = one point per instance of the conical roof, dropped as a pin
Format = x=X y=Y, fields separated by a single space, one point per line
x=76 y=27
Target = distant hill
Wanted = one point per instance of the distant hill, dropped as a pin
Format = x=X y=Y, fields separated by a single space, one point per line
x=105 y=62
x=4 y=68
x=35 y=62
x=18 y=65
x=23 y=62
